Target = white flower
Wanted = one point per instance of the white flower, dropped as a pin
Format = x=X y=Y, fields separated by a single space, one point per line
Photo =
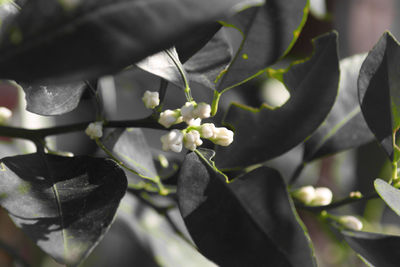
x=202 y=111
x=5 y=115
x=187 y=111
x=323 y=196
x=192 y=140
x=223 y=136
x=172 y=141
x=151 y=99
x=305 y=194
x=169 y=117
x=95 y=130
x=207 y=130
x=351 y=222
x=194 y=122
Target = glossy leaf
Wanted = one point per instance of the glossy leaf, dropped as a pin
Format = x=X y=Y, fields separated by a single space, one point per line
x=345 y=126
x=130 y=146
x=197 y=39
x=378 y=249
x=264 y=133
x=268 y=33
x=389 y=194
x=65 y=205
x=206 y=65
x=165 y=64
x=379 y=92
x=248 y=222
x=81 y=40
x=51 y=100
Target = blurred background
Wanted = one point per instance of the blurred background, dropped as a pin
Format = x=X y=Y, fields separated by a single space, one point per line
x=140 y=236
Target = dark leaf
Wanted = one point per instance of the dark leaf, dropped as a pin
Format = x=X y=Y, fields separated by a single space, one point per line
x=379 y=92
x=188 y=46
x=49 y=100
x=378 y=249
x=389 y=194
x=130 y=146
x=248 y=222
x=269 y=32
x=345 y=126
x=262 y=134
x=205 y=66
x=81 y=40
x=164 y=64
x=65 y=205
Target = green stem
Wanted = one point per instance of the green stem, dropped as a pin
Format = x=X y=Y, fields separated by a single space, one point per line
x=179 y=66
x=215 y=102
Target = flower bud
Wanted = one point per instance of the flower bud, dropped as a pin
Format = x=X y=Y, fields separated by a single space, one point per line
x=172 y=141
x=95 y=130
x=222 y=136
x=323 y=196
x=169 y=117
x=202 y=111
x=192 y=140
x=207 y=130
x=194 y=122
x=187 y=111
x=151 y=99
x=351 y=222
x=5 y=115
x=304 y=194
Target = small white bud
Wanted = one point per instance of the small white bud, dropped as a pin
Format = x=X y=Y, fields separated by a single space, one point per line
x=223 y=136
x=169 y=117
x=5 y=115
x=172 y=141
x=323 y=196
x=194 y=122
x=202 y=111
x=305 y=194
x=207 y=130
x=95 y=130
x=351 y=222
x=151 y=99
x=192 y=140
x=187 y=111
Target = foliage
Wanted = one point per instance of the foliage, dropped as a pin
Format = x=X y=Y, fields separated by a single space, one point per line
x=237 y=211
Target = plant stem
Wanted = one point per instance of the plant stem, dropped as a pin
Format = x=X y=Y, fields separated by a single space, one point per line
x=36 y=135
x=297 y=173
x=339 y=203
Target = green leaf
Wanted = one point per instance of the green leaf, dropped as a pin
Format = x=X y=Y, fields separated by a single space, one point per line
x=165 y=64
x=379 y=92
x=81 y=40
x=248 y=222
x=206 y=65
x=345 y=126
x=268 y=32
x=49 y=100
x=130 y=146
x=65 y=205
x=378 y=249
x=264 y=133
x=389 y=194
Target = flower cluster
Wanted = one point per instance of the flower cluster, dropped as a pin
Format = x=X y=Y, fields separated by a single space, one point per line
x=191 y=113
x=308 y=195
x=95 y=130
x=5 y=115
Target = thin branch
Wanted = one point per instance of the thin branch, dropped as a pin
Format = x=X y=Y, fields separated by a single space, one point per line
x=339 y=203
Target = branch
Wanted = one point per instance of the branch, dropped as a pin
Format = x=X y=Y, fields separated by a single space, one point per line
x=39 y=134
x=339 y=203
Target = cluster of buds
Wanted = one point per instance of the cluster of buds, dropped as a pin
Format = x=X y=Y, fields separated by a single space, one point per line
x=5 y=115
x=191 y=113
x=95 y=130
x=308 y=195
